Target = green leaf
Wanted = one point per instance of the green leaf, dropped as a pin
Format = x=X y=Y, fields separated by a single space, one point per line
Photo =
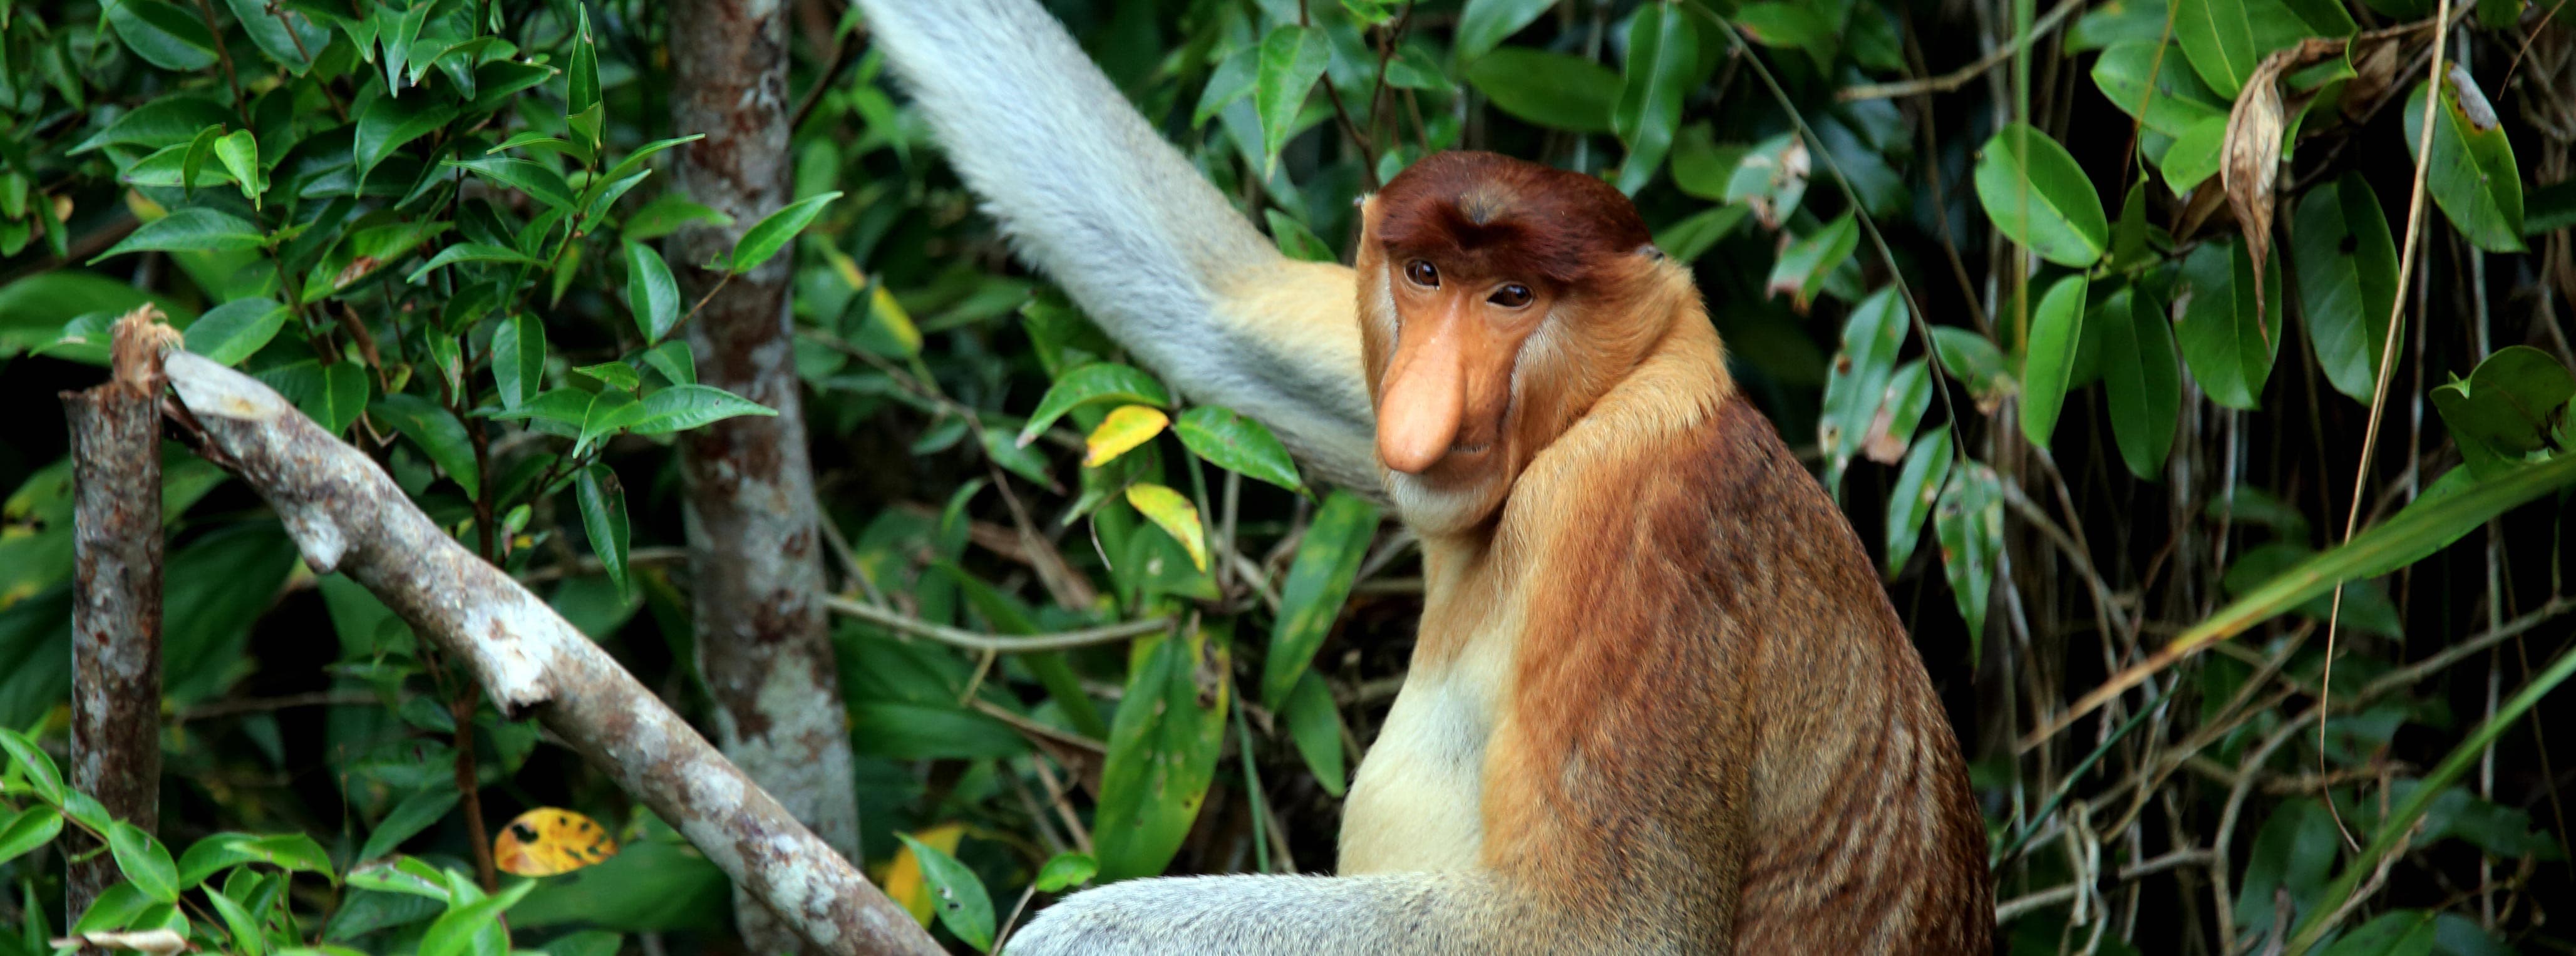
x=1231 y=81
x=31 y=764
x=1295 y=240
x=604 y=416
x=539 y=182
x=332 y=395
x=583 y=78
x=1701 y=167
x=1091 y=384
x=1788 y=26
x=1163 y=747
x=2056 y=331
x=30 y=828
x=1974 y=360
x=289 y=851
x=471 y=252
x=1319 y=581
x=2034 y=192
x=279 y=34
x=1292 y=59
x=1805 y=263
x=194 y=160
x=1687 y=240
x=534 y=139
x=2415 y=532
x=239 y=152
x=1066 y=869
x=189 y=230
x=144 y=861
x=2347 y=269
x=2228 y=347
x=1235 y=443
x=2507 y=409
x=230 y=332
x=612 y=374
x=2193 y=157
x=683 y=407
x=956 y=894
x=1315 y=725
x=1918 y=488
x=167 y=121
x=238 y=923
x=163 y=34
x=1969 y=522
x=1549 y=89
x=519 y=359
x=651 y=292
x=2226 y=39
x=1173 y=513
x=2178 y=99
x=1857 y=379
x=603 y=518
x=387 y=123
x=2144 y=387
x=2471 y=174
x=673 y=360
x=1663 y=53
x=682 y=209
x=773 y=232
x=418 y=812
x=1771 y=177
x=452 y=934
x=1485 y=24
x=437 y=432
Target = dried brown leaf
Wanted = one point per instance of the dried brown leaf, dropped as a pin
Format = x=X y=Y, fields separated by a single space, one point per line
x=2249 y=163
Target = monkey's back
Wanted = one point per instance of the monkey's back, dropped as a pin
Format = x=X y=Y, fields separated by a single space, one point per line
x=1721 y=717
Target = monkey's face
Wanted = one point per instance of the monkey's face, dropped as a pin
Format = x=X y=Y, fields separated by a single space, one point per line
x=1491 y=316
x=1446 y=394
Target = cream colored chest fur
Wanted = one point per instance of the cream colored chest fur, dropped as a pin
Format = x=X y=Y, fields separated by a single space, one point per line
x=1416 y=805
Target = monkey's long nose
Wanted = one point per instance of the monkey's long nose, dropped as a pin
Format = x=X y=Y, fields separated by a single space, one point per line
x=1424 y=396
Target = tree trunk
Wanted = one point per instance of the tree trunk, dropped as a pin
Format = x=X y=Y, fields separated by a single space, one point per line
x=754 y=560
x=116 y=586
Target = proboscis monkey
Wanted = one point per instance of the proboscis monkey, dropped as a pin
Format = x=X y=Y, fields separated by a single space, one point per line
x=1659 y=703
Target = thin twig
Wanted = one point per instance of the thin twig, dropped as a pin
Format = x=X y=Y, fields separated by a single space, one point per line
x=2387 y=363
x=1015 y=644
x=1961 y=76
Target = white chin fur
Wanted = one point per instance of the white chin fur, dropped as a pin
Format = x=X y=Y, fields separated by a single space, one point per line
x=1430 y=509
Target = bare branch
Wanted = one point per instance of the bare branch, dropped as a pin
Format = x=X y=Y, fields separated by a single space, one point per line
x=347 y=515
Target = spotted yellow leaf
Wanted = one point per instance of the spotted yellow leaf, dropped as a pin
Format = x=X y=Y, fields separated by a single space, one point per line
x=1174 y=514
x=1125 y=428
x=550 y=840
x=903 y=881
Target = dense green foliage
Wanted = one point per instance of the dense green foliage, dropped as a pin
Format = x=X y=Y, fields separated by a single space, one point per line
x=435 y=225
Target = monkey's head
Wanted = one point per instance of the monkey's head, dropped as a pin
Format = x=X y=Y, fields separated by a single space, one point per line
x=1498 y=300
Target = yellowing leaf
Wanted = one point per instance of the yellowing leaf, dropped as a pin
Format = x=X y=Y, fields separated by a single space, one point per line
x=1126 y=427
x=550 y=840
x=903 y=881
x=1174 y=514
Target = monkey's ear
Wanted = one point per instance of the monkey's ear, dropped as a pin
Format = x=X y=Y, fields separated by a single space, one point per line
x=1651 y=252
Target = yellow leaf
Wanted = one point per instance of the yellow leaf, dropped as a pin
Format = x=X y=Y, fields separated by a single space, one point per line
x=1125 y=428
x=882 y=307
x=1174 y=514
x=903 y=881
x=550 y=840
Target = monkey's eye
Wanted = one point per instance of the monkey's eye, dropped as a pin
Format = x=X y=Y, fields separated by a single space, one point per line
x=1422 y=273
x=1512 y=296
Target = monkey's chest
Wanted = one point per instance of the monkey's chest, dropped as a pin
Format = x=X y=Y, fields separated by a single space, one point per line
x=1416 y=805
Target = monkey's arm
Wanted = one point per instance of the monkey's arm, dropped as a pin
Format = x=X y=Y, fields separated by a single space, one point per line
x=1089 y=192
x=1427 y=913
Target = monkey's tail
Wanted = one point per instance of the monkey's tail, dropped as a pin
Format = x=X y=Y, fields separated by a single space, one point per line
x=1083 y=186
x=1092 y=194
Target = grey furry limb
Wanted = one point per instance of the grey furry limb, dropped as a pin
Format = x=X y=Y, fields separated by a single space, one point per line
x=347 y=515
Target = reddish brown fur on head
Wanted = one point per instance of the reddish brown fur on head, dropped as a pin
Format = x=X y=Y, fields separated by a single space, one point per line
x=1501 y=216
x=1498 y=300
